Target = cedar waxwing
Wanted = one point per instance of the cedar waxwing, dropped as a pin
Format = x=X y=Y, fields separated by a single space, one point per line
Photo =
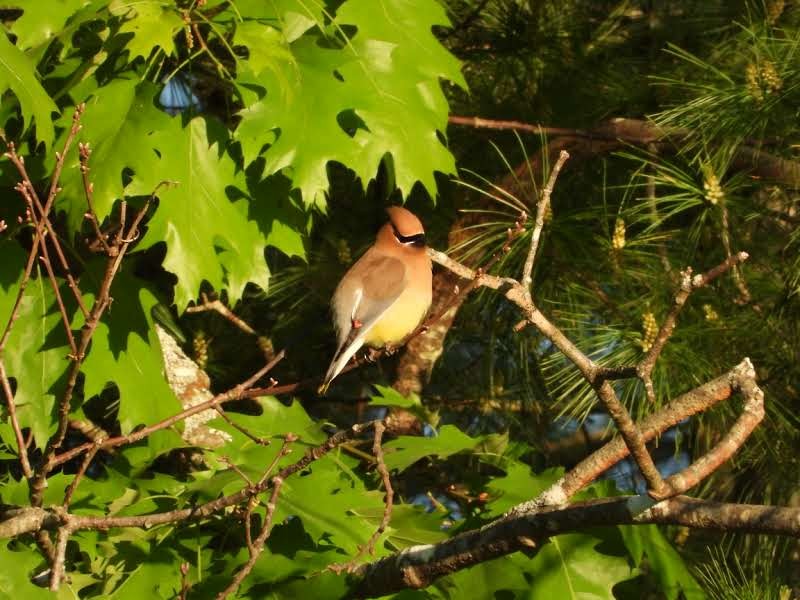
x=385 y=294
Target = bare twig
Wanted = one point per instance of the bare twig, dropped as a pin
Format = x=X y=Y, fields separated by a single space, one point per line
x=480 y=123
x=744 y=292
x=36 y=519
x=243 y=430
x=11 y=408
x=185 y=585
x=541 y=210
x=688 y=284
x=258 y=543
x=234 y=393
x=518 y=294
x=57 y=567
x=369 y=547
x=26 y=187
x=617 y=132
x=219 y=307
x=101 y=303
x=700 y=399
x=81 y=472
x=84 y=152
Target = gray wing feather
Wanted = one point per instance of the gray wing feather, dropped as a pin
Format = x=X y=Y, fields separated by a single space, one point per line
x=369 y=289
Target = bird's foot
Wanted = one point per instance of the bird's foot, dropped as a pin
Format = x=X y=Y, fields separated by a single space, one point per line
x=390 y=349
x=373 y=354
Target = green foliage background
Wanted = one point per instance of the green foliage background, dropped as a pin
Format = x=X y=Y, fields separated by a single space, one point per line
x=309 y=116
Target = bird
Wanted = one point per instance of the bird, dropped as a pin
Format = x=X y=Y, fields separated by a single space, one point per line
x=385 y=295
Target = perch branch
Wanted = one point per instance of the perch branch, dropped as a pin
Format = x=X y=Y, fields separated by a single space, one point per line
x=418 y=566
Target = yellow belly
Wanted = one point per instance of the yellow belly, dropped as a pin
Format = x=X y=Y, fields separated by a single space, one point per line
x=400 y=320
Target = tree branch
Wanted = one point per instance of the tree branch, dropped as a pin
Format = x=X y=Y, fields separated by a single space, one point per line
x=418 y=566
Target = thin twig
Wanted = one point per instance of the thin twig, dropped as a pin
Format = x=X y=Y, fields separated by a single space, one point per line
x=541 y=210
x=258 y=543
x=369 y=547
x=234 y=393
x=101 y=303
x=688 y=284
x=700 y=399
x=514 y=291
x=288 y=439
x=11 y=408
x=19 y=163
x=57 y=567
x=81 y=472
x=35 y=519
x=84 y=152
x=219 y=307
x=480 y=123
x=243 y=430
x=744 y=292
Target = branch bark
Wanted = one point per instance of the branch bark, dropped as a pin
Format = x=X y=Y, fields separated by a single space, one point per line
x=419 y=566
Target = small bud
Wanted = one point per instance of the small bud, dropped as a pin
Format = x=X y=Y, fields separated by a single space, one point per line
x=618 y=239
x=710 y=313
x=650 y=330
x=714 y=192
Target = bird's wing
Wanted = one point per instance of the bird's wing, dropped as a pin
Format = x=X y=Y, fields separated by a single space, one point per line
x=373 y=285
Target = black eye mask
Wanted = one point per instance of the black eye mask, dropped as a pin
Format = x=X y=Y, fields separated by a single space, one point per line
x=417 y=240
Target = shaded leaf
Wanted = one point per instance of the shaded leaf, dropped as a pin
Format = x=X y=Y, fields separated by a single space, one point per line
x=40 y=350
x=664 y=562
x=118 y=122
x=209 y=238
x=42 y=21
x=152 y=23
x=406 y=450
x=125 y=351
x=574 y=566
x=18 y=73
x=333 y=518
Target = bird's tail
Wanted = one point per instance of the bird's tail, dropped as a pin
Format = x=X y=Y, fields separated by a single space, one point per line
x=340 y=360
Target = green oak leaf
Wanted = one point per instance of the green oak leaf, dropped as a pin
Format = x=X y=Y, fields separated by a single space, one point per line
x=209 y=238
x=18 y=73
x=36 y=351
x=491 y=579
x=403 y=69
x=292 y=17
x=42 y=21
x=333 y=518
x=15 y=581
x=265 y=44
x=518 y=485
x=574 y=566
x=125 y=351
x=156 y=576
x=153 y=24
x=404 y=451
x=304 y=99
x=282 y=222
x=117 y=123
x=387 y=75
x=664 y=562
